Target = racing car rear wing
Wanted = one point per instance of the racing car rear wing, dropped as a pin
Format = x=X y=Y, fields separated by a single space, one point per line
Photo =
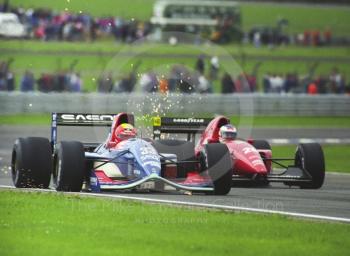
x=189 y=126
x=78 y=119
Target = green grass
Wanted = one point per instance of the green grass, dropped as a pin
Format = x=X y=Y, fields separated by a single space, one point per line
x=295 y=121
x=23 y=119
x=57 y=224
x=336 y=156
x=108 y=46
x=258 y=121
x=300 y=17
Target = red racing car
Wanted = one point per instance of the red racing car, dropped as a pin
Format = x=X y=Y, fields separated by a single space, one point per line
x=251 y=160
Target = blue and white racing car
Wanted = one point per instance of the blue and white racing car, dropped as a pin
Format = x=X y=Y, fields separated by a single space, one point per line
x=135 y=163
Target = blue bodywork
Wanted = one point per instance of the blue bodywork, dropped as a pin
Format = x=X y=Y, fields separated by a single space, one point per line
x=135 y=158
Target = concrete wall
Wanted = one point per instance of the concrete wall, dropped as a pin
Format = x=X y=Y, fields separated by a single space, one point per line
x=235 y=104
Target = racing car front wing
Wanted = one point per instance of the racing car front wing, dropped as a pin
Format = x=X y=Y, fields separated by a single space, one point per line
x=97 y=187
x=290 y=174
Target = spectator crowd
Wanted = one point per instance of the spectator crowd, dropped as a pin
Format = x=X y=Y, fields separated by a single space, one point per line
x=179 y=79
x=291 y=82
x=46 y=24
x=47 y=82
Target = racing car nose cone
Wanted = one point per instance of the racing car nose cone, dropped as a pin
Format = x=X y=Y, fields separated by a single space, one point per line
x=248 y=160
x=250 y=167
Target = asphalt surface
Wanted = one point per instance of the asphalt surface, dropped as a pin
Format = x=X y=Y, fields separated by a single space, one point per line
x=333 y=199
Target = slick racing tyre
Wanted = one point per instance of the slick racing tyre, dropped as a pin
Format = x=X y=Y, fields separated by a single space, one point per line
x=217 y=161
x=261 y=144
x=31 y=163
x=184 y=150
x=309 y=157
x=69 y=166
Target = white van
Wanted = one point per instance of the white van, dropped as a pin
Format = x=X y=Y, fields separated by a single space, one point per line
x=10 y=26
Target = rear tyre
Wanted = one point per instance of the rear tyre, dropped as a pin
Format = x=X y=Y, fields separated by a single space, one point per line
x=184 y=150
x=69 y=166
x=309 y=157
x=217 y=161
x=31 y=163
x=261 y=144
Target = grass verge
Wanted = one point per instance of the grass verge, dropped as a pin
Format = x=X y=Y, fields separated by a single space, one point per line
x=110 y=46
x=294 y=121
x=57 y=224
x=258 y=121
x=25 y=119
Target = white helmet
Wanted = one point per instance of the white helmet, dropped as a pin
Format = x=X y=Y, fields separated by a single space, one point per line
x=227 y=132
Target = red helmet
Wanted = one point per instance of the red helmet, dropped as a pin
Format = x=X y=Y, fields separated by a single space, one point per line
x=124 y=132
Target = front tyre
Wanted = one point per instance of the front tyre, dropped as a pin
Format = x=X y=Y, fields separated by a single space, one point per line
x=310 y=158
x=69 y=166
x=217 y=161
x=31 y=163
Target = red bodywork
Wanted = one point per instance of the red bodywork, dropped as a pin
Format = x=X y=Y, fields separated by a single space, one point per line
x=246 y=159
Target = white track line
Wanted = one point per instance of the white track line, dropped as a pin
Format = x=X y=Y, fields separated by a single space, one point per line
x=294 y=141
x=199 y=205
x=338 y=173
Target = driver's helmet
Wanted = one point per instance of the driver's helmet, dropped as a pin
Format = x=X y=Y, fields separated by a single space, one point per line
x=124 y=132
x=227 y=132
